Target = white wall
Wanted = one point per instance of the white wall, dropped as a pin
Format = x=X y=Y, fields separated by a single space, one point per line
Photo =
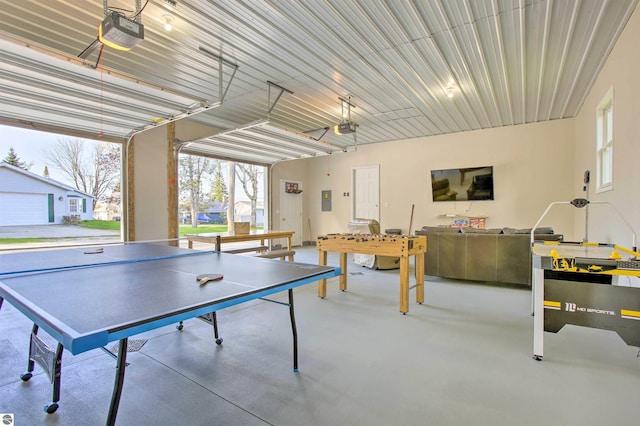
x=533 y=166
x=620 y=72
x=152 y=179
x=151 y=182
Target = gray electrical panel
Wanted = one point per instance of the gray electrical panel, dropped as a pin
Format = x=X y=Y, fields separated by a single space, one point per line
x=326 y=200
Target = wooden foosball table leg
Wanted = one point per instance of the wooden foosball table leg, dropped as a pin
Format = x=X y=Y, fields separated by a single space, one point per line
x=322 y=284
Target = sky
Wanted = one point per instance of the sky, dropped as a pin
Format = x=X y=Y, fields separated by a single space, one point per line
x=30 y=147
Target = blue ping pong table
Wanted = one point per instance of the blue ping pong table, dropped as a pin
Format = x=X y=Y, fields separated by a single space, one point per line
x=86 y=297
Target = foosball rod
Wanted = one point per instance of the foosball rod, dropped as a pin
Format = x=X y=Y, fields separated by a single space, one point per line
x=411 y=220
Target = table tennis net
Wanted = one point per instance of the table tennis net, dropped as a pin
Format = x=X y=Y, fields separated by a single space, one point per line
x=91 y=257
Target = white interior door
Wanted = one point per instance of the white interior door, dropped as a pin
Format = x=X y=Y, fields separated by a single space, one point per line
x=366 y=192
x=291 y=213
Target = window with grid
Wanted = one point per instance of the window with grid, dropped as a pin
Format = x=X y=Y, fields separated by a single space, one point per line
x=605 y=143
x=74 y=205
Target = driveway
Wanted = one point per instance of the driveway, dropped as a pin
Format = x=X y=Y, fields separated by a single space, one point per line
x=55 y=235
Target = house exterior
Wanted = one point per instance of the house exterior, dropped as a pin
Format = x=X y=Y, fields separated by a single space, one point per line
x=242 y=212
x=29 y=199
x=108 y=209
x=217 y=212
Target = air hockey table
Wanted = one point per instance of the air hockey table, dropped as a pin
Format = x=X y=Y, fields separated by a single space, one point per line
x=585 y=284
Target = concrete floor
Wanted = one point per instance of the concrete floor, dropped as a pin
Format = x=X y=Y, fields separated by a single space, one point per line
x=463 y=357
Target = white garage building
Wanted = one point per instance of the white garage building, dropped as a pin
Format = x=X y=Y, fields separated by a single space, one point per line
x=29 y=199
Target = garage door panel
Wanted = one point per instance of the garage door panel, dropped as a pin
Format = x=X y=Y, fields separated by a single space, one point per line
x=23 y=209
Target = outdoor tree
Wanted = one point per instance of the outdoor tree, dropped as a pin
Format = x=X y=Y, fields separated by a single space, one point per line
x=219 y=190
x=93 y=169
x=45 y=173
x=13 y=159
x=192 y=170
x=232 y=197
x=247 y=174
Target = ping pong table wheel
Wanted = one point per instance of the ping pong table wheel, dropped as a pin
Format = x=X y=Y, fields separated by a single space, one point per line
x=179 y=326
x=537 y=357
x=26 y=376
x=218 y=341
x=51 y=408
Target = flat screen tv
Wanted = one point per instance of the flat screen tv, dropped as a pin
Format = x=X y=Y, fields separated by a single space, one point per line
x=466 y=184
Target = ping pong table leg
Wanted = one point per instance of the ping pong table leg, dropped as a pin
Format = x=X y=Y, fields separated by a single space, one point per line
x=31 y=362
x=57 y=372
x=294 y=330
x=214 y=321
x=119 y=382
x=51 y=363
x=211 y=319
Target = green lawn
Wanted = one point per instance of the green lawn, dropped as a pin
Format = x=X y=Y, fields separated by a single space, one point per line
x=115 y=226
x=100 y=224
x=184 y=229
x=201 y=229
x=21 y=240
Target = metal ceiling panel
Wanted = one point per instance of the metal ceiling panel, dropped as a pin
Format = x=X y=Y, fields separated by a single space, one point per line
x=54 y=90
x=263 y=143
x=505 y=62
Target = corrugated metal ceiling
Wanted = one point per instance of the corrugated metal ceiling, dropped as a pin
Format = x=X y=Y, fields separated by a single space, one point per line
x=506 y=62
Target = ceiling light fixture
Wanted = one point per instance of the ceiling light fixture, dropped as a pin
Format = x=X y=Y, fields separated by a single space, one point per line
x=168 y=19
x=450 y=90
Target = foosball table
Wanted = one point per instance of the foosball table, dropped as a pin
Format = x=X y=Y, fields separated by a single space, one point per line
x=401 y=246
